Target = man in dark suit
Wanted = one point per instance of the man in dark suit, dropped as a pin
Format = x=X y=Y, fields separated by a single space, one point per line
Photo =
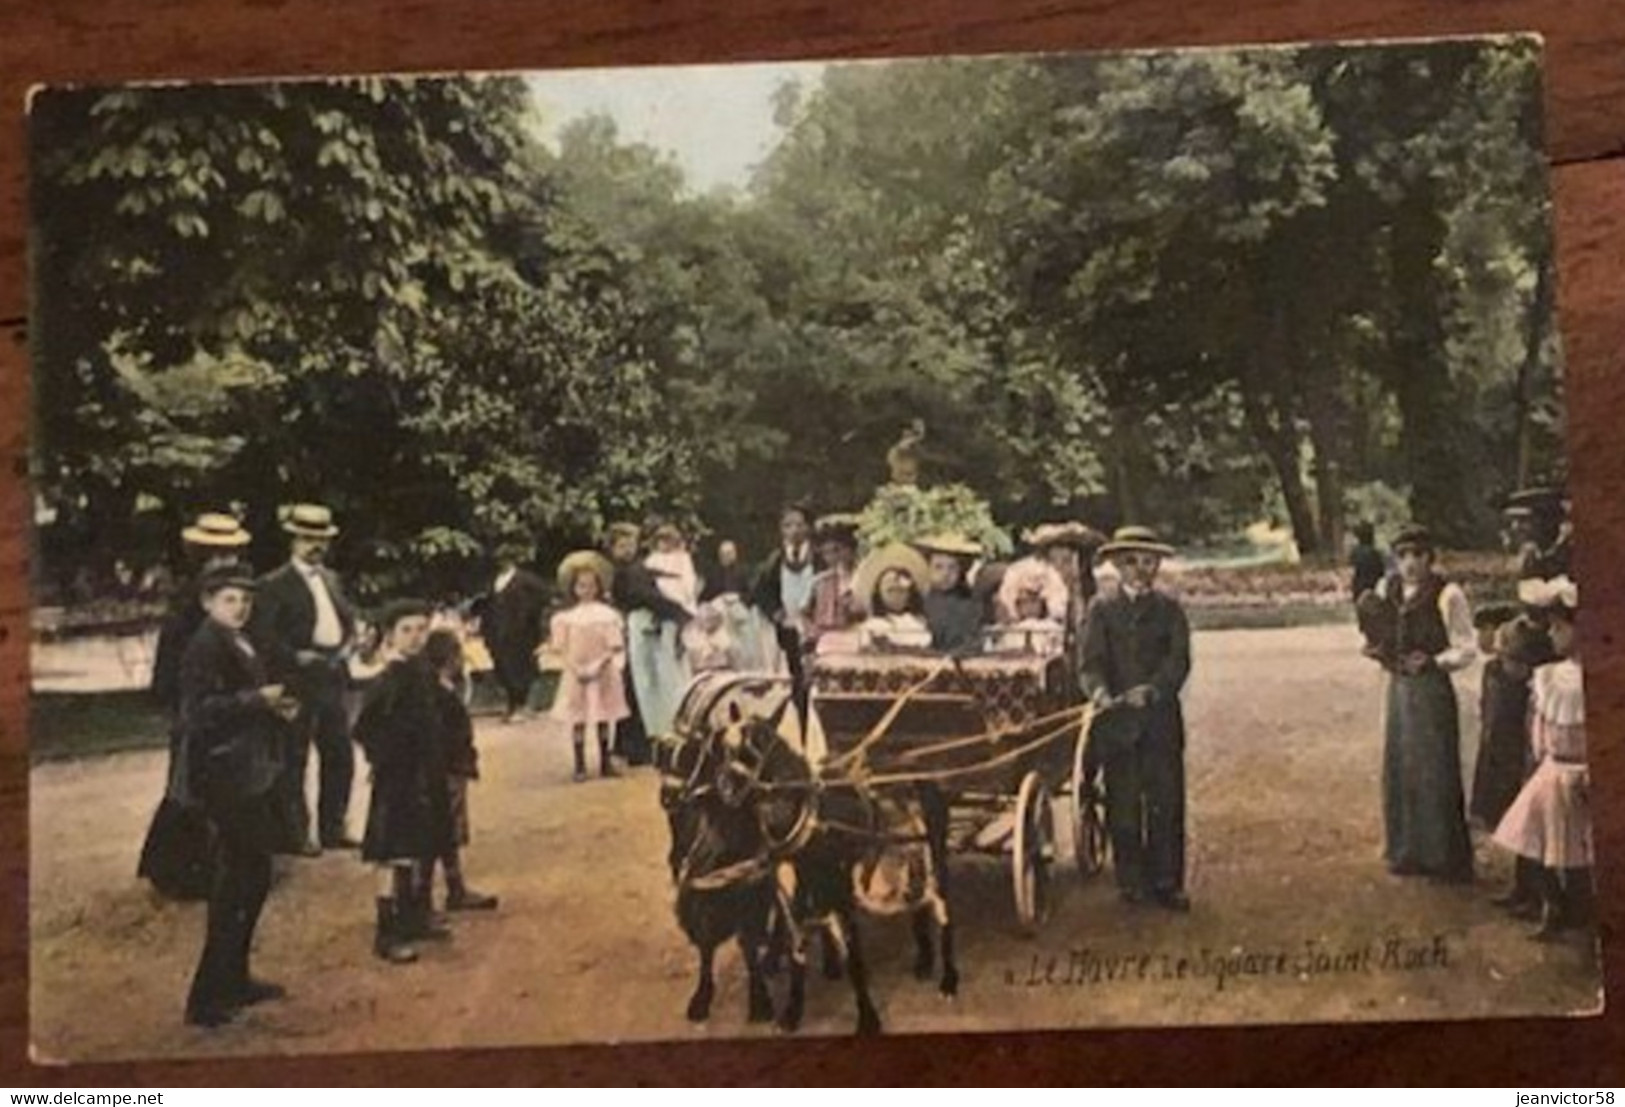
x=783 y=588
x=233 y=723
x=1366 y=560
x=511 y=624
x=1136 y=656
x=304 y=621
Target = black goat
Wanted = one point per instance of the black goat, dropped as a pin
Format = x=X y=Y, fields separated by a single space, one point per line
x=723 y=891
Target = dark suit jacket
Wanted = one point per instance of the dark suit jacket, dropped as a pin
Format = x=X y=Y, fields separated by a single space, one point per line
x=285 y=616
x=511 y=620
x=767 y=590
x=1127 y=643
x=635 y=590
x=234 y=740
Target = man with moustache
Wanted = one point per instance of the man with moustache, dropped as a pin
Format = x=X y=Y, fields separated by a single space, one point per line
x=304 y=621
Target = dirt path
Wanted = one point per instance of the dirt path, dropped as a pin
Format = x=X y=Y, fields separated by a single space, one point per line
x=1294 y=920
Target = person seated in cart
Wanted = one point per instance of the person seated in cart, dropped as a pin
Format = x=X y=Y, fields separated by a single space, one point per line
x=834 y=609
x=1029 y=626
x=1136 y=657
x=952 y=611
x=887 y=584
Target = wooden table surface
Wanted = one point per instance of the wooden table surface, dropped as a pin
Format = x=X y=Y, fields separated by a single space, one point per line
x=115 y=40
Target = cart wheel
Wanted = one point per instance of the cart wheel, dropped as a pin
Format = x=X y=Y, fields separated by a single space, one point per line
x=1032 y=852
x=1088 y=815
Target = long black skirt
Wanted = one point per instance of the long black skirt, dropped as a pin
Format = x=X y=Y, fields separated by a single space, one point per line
x=176 y=855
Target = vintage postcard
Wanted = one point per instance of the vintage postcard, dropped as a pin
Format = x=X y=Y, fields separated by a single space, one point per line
x=945 y=544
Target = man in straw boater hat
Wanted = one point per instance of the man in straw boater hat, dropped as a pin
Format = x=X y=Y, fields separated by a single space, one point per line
x=175 y=854
x=1135 y=658
x=233 y=721
x=305 y=622
x=1419 y=626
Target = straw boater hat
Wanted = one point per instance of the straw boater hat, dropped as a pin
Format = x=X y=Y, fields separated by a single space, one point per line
x=1136 y=540
x=896 y=555
x=1073 y=534
x=309 y=521
x=954 y=543
x=214 y=528
x=591 y=561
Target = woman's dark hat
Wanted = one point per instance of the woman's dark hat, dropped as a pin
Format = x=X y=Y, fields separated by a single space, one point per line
x=229 y=574
x=396 y=610
x=1414 y=536
x=839 y=527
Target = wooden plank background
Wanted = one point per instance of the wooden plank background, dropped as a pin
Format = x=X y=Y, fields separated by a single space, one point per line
x=112 y=40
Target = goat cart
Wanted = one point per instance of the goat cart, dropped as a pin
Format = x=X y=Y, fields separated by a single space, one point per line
x=1001 y=737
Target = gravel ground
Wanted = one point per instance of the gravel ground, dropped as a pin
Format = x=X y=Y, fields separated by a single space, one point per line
x=1295 y=918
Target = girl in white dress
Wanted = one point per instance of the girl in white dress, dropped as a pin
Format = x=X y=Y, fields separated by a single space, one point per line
x=1550 y=822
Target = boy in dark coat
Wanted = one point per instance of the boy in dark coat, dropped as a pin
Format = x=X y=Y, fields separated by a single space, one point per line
x=233 y=724
x=1136 y=656
x=409 y=820
x=175 y=854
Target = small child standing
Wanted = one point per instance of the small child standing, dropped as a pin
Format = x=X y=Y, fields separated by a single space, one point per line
x=1503 y=743
x=589 y=639
x=444 y=654
x=408 y=819
x=1550 y=822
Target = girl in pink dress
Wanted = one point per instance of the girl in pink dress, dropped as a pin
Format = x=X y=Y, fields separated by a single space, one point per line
x=1550 y=821
x=589 y=639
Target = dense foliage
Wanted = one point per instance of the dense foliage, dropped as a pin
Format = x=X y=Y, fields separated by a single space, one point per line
x=1193 y=289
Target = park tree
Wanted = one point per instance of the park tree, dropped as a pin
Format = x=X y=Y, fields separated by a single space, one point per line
x=266 y=292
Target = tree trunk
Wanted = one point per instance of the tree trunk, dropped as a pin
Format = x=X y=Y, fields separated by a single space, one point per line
x=1435 y=457
x=1280 y=446
x=1540 y=314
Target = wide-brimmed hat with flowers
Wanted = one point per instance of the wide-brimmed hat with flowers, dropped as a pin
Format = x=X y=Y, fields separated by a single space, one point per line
x=896 y=556
x=1078 y=536
x=216 y=528
x=309 y=521
x=1559 y=593
x=585 y=561
x=590 y=561
x=1136 y=540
